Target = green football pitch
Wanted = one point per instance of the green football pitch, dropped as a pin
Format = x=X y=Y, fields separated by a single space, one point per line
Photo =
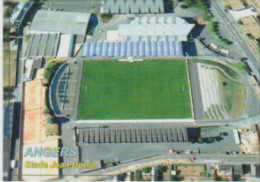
x=138 y=90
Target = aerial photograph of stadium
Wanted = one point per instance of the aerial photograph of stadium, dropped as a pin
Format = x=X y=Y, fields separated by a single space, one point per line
x=131 y=90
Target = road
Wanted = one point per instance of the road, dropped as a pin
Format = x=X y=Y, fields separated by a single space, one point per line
x=242 y=40
x=158 y=159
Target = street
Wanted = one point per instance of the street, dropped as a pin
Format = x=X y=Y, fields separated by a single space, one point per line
x=243 y=41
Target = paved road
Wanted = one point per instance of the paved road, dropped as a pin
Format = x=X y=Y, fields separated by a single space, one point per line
x=200 y=159
x=242 y=40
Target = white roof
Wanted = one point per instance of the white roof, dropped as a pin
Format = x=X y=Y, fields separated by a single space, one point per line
x=66 y=44
x=155 y=28
x=243 y=13
x=60 y=22
x=28 y=66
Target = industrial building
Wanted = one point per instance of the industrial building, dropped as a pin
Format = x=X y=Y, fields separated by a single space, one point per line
x=42 y=45
x=155 y=28
x=53 y=33
x=60 y=22
x=134 y=6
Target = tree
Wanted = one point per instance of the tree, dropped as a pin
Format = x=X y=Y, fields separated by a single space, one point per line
x=211 y=139
x=220 y=134
x=146 y=170
x=239 y=22
x=8 y=92
x=250 y=36
x=192 y=140
x=175 y=178
x=184 y=6
x=200 y=140
x=50 y=120
x=228 y=7
x=46 y=111
x=106 y=16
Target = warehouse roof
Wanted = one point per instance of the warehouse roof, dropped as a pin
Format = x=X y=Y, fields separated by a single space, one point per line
x=42 y=45
x=134 y=6
x=60 y=22
x=155 y=28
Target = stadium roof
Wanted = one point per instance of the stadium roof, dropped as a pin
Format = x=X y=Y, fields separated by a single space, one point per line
x=155 y=28
x=136 y=49
x=134 y=6
x=60 y=22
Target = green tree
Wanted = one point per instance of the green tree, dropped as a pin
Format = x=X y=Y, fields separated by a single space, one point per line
x=211 y=139
x=46 y=111
x=8 y=93
x=200 y=140
x=162 y=169
x=106 y=16
x=146 y=170
x=192 y=140
x=184 y=6
x=228 y=7
x=50 y=69
x=250 y=36
x=220 y=133
x=174 y=178
x=50 y=120
x=239 y=22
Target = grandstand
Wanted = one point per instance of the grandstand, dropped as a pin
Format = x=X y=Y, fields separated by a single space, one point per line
x=63 y=93
x=132 y=135
x=212 y=96
x=138 y=49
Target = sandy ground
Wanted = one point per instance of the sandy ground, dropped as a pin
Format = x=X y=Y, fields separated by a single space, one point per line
x=34 y=134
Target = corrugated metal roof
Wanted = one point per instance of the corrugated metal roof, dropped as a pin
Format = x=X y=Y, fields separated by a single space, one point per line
x=134 y=6
x=60 y=22
x=42 y=45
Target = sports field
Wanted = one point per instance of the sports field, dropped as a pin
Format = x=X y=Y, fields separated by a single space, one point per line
x=138 y=90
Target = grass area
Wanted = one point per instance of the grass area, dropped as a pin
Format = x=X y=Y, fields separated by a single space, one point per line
x=208 y=128
x=139 y=90
x=231 y=72
x=240 y=65
x=214 y=29
x=201 y=4
x=51 y=68
x=235 y=95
